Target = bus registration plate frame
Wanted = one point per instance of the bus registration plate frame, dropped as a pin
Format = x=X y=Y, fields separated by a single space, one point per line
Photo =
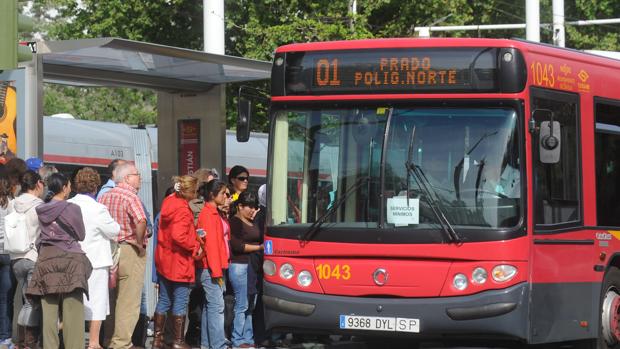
x=379 y=323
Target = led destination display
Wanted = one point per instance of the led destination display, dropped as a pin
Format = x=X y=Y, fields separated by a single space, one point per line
x=392 y=71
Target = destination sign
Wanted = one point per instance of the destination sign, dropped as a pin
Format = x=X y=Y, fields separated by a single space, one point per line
x=392 y=71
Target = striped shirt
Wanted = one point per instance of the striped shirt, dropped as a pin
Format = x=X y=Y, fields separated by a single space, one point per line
x=126 y=208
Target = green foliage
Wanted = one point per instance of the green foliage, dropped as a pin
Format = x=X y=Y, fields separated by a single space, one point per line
x=129 y=106
x=254 y=28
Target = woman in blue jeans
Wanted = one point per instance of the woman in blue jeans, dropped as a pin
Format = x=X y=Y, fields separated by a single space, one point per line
x=213 y=266
x=29 y=317
x=177 y=247
x=7 y=278
x=244 y=240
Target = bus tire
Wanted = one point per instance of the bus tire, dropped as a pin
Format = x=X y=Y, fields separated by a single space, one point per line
x=609 y=331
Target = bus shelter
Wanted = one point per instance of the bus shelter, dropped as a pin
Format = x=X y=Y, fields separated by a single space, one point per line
x=190 y=85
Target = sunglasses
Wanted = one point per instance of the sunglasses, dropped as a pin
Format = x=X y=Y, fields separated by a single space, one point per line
x=243 y=179
x=227 y=194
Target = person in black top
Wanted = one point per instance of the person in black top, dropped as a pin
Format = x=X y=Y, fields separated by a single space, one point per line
x=244 y=241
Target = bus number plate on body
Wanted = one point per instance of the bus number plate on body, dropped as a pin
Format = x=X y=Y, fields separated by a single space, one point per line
x=374 y=323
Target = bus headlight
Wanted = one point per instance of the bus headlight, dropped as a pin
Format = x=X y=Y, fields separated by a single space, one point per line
x=287 y=271
x=304 y=279
x=479 y=276
x=503 y=272
x=269 y=267
x=460 y=282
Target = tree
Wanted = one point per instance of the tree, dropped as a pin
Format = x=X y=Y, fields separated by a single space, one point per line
x=166 y=22
x=254 y=28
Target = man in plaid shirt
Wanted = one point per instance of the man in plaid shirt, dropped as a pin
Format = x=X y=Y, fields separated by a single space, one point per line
x=125 y=207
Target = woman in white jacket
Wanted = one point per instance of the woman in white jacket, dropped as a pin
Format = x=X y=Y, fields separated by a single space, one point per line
x=100 y=229
x=28 y=320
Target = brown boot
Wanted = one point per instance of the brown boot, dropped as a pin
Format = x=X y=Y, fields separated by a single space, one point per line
x=18 y=341
x=179 y=332
x=31 y=337
x=159 y=321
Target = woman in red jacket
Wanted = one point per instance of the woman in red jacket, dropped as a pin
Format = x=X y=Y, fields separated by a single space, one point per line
x=213 y=265
x=177 y=246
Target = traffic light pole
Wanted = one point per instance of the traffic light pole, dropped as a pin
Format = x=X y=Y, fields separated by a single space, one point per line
x=8 y=34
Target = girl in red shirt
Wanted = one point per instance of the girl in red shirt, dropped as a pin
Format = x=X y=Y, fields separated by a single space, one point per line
x=213 y=265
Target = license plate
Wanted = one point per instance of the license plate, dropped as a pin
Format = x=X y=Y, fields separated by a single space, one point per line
x=375 y=323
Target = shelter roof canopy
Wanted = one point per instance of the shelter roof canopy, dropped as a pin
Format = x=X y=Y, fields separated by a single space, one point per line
x=121 y=62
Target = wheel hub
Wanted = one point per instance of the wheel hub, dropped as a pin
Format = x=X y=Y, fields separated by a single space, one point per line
x=610 y=317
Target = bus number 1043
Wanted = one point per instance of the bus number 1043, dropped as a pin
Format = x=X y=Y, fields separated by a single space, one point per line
x=326 y=271
x=543 y=74
x=327 y=72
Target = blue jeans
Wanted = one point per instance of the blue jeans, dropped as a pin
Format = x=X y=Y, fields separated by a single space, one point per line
x=30 y=314
x=212 y=326
x=7 y=292
x=242 y=332
x=172 y=295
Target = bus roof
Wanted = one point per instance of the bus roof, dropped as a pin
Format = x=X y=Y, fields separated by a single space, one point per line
x=390 y=43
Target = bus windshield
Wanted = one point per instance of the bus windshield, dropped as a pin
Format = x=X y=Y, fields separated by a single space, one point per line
x=467 y=162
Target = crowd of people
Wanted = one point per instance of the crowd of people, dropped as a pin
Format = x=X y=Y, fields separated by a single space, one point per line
x=78 y=250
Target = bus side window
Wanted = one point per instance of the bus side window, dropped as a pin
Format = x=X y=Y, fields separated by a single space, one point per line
x=607 y=156
x=557 y=199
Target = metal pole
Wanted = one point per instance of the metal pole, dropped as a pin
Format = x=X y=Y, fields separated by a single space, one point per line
x=353 y=11
x=213 y=15
x=558 y=23
x=532 y=20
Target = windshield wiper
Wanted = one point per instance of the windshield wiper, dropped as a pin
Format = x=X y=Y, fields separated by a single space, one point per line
x=316 y=226
x=427 y=188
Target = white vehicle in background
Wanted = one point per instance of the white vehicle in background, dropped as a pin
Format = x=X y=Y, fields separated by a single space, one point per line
x=70 y=144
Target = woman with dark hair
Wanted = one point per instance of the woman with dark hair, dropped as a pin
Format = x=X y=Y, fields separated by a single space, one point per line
x=15 y=169
x=245 y=240
x=213 y=265
x=23 y=263
x=61 y=274
x=177 y=244
x=239 y=178
x=100 y=228
x=7 y=279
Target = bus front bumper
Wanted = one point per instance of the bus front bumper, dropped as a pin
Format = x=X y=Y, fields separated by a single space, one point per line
x=501 y=314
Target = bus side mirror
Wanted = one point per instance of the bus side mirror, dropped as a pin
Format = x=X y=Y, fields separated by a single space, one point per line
x=244 y=110
x=549 y=137
x=247 y=101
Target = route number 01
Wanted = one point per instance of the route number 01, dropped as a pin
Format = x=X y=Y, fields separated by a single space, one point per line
x=327 y=72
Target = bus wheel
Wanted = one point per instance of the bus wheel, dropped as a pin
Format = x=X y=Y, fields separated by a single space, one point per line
x=610 y=310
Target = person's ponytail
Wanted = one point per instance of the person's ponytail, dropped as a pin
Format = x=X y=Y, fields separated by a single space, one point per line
x=55 y=185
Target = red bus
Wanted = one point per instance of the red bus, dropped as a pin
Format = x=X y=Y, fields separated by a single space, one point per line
x=444 y=189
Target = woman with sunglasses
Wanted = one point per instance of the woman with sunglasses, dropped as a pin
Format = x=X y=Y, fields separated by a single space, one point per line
x=245 y=240
x=23 y=264
x=213 y=265
x=239 y=178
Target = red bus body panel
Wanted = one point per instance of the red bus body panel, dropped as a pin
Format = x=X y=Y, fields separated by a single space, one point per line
x=574 y=256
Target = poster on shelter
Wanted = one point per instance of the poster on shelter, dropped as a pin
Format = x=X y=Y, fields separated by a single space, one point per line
x=189 y=146
x=8 y=121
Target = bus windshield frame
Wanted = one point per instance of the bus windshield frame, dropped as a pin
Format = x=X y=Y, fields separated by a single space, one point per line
x=470 y=157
